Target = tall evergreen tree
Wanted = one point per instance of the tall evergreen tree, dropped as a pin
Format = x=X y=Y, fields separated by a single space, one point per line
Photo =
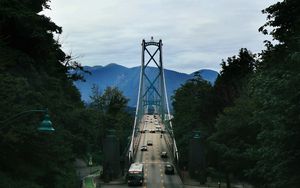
x=233 y=76
x=269 y=153
x=193 y=110
x=33 y=76
x=277 y=89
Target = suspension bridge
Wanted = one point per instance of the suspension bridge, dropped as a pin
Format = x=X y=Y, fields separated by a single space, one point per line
x=152 y=142
x=152 y=130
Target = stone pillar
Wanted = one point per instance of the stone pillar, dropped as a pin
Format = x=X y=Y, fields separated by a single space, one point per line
x=197 y=157
x=111 y=152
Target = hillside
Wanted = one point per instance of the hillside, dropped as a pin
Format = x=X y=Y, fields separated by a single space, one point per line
x=127 y=80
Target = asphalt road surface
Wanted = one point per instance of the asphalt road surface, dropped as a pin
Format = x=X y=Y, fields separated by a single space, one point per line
x=154 y=165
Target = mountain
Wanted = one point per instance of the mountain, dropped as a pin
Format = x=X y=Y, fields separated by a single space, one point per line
x=127 y=80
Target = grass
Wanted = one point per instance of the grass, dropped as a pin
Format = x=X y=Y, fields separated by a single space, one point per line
x=88 y=182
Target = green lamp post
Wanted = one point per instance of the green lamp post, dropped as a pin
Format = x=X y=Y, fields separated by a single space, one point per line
x=45 y=125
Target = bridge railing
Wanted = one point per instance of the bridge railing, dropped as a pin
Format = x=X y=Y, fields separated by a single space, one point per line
x=170 y=140
x=169 y=119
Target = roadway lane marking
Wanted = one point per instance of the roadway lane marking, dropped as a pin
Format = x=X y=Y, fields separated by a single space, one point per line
x=161 y=175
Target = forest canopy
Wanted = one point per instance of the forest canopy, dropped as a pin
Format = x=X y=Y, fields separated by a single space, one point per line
x=251 y=113
x=35 y=75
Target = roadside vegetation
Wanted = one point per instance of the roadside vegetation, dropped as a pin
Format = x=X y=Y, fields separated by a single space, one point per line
x=36 y=74
x=250 y=116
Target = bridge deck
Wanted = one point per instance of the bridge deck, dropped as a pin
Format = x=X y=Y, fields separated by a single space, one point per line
x=154 y=165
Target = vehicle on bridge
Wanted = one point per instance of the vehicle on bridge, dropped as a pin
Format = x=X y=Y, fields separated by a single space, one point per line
x=144 y=148
x=169 y=169
x=158 y=128
x=149 y=142
x=152 y=131
x=135 y=174
x=164 y=154
x=143 y=131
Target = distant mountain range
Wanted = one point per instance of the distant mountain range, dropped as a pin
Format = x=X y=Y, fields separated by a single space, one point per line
x=127 y=80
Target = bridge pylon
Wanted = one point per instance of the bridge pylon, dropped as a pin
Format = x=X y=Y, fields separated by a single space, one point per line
x=152 y=94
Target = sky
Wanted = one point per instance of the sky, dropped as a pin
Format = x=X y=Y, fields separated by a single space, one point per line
x=196 y=34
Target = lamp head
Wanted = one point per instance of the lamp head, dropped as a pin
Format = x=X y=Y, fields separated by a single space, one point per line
x=46 y=124
x=196 y=135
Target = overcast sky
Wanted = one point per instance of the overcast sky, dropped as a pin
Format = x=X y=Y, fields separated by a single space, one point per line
x=196 y=34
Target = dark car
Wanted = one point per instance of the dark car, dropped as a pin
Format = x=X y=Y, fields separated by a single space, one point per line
x=144 y=148
x=149 y=143
x=164 y=154
x=152 y=131
x=169 y=169
x=144 y=131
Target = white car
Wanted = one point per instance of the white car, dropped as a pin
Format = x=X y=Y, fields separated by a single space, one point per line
x=144 y=148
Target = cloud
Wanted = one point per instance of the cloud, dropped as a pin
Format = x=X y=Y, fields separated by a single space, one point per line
x=196 y=34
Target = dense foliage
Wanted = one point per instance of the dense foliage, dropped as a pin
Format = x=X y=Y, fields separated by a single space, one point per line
x=194 y=96
x=256 y=136
x=111 y=110
x=36 y=74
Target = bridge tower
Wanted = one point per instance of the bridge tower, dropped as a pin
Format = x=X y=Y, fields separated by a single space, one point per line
x=152 y=94
x=152 y=97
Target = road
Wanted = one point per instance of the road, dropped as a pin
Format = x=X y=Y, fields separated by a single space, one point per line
x=153 y=163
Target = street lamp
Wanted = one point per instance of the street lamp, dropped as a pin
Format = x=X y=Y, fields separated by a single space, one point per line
x=45 y=125
x=90 y=163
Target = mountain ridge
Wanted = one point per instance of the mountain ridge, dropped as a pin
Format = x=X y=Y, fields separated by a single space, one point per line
x=127 y=80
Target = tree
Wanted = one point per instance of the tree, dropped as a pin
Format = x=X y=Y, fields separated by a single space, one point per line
x=110 y=110
x=234 y=138
x=32 y=76
x=277 y=92
x=277 y=149
x=227 y=145
x=268 y=155
x=113 y=101
x=96 y=99
x=233 y=76
x=193 y=110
